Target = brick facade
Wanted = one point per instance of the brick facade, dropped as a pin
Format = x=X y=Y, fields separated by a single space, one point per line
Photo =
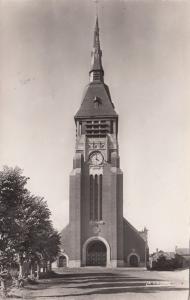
x=97 y=233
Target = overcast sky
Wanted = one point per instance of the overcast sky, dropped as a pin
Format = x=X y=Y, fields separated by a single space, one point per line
x=45 y=50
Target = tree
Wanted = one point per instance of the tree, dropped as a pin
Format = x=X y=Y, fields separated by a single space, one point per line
x=26 y=231
x=38 y=239
x=12 y=193
x=31 y=220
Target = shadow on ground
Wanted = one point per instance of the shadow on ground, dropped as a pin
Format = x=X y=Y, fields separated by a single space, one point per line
x=84 y=284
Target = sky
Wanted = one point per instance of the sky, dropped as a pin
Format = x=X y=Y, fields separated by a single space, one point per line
x=45 y=48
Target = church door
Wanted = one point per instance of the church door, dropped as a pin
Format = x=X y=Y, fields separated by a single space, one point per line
x=62 y=261
x=133 y=261
x=96 y=254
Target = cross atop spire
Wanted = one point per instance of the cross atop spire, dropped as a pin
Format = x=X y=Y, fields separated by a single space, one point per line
x=96 y=6
x=96 y=3
x=96 y=71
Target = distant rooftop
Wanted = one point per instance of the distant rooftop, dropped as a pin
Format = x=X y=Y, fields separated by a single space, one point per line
x=182 y=251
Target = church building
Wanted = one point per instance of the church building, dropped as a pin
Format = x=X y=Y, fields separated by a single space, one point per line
x=97 y=233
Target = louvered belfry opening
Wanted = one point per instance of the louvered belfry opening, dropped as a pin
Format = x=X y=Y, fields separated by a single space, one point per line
x=96 y=197
x=98 y=128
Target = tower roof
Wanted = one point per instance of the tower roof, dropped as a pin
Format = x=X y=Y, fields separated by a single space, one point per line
x=96 y=54
x=97 y=100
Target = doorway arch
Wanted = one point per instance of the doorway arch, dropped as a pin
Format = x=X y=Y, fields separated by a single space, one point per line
x=96 y=252
x=133 y=259
x=63 y=261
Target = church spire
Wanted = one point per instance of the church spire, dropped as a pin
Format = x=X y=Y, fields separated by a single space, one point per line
x=96 y=71
x=97 y=101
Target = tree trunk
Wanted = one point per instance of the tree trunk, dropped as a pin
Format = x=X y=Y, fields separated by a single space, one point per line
x=31 y=271
x=20 y=266
x=49 y=266
x=3 y=287
x=38 y=271
x=21 y=269
x=46 y=268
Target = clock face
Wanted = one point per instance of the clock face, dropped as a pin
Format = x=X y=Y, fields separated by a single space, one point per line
x=96 y=158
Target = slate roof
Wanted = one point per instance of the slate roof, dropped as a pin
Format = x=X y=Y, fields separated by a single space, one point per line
x=126 y=223
x=96 y=102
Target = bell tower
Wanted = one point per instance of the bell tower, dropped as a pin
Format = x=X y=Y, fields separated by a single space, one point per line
x=96 y=204
x=97 y=233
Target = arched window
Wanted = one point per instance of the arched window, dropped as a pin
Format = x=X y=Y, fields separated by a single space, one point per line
x=91 y=199
x=96 y=197
x=100 y=196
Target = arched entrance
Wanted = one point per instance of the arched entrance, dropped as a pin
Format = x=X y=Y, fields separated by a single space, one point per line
x=62 y=261
x=96 y=239
x=133 y=260
x=96 y=253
